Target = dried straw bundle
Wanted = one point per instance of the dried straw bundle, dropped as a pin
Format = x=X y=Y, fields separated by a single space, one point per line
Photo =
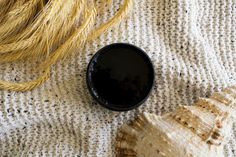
x=48 y=30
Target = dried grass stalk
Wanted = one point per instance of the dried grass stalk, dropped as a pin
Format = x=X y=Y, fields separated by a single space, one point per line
x=48 y=31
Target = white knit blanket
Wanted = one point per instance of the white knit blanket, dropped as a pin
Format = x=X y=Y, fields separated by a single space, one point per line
x=192 y=44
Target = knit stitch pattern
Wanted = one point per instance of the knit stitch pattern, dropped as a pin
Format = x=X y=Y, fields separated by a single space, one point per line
x=192 y=45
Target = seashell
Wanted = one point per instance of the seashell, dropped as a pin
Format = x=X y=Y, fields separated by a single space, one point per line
x=200 y=130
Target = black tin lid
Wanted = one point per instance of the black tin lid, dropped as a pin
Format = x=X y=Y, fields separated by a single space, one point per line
x=120 y=76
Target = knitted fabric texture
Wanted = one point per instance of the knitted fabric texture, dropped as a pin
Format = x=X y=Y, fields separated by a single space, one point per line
x=192 y=45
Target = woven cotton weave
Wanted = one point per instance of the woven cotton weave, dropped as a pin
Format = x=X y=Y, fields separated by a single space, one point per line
x=192 y=44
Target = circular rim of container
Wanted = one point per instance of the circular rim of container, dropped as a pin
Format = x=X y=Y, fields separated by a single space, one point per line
x=111 y=106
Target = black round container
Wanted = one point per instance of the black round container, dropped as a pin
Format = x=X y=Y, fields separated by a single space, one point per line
x=120 y=76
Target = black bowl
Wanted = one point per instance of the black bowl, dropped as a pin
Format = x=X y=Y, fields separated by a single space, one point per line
x=120 y=76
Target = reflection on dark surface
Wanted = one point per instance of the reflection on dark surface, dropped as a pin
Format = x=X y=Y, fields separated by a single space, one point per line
x=122 y=77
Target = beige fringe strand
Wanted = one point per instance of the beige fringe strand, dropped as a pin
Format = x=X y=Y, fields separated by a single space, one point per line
x=49 y=31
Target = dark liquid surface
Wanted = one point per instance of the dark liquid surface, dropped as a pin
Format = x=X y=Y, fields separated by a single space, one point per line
x=121 y=77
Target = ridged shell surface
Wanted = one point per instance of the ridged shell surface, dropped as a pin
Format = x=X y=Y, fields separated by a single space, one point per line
x=200 y=130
